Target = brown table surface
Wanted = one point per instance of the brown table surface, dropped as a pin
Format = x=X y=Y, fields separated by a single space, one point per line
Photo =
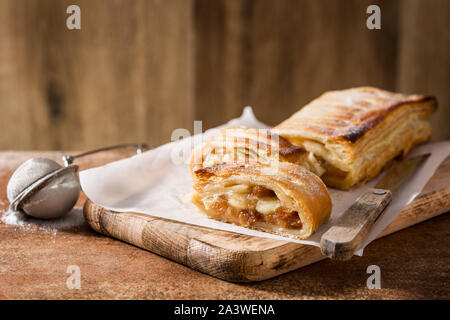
x=414 y=263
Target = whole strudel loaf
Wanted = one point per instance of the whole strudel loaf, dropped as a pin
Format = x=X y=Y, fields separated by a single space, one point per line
x=355 y=133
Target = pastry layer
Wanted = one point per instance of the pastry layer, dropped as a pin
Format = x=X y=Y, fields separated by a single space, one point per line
x=285 y=199
x=354 y=133
x=245 y=145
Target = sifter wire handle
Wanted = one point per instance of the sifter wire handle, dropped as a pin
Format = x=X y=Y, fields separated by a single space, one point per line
x=141 y=147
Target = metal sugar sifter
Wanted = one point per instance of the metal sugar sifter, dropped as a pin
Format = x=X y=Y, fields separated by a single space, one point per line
x=44 y=189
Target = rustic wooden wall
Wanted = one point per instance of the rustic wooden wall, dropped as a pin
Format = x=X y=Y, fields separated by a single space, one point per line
x=140 y=68
x=125 y=76
x=424 y=56
x=278 y=55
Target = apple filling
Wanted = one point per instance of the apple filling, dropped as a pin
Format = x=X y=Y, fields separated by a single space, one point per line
x=246 y=205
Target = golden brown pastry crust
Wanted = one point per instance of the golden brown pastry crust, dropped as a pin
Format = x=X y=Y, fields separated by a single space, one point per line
x=296 y=189
x=356 y=132
x=241 y=144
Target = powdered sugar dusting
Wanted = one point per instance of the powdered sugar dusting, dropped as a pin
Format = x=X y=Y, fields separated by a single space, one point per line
x=72 y=219
x=14 y=218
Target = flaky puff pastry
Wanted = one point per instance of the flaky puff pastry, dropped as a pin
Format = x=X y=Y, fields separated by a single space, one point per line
x=354 y=133
x=283 y=199
x=246 y=145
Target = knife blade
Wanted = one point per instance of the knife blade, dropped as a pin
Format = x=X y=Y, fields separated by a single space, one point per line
x=351 y=228
x=399 y=173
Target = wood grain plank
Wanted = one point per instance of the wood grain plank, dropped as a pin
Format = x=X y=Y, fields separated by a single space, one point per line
x=424 y=56
x=278 y=56
x=126 y=76
x=222 y=59
x=139 y=69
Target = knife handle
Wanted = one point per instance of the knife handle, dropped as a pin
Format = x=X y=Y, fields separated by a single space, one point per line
x=346 y=235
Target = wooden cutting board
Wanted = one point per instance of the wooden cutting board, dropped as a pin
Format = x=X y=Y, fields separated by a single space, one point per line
x=241 y=258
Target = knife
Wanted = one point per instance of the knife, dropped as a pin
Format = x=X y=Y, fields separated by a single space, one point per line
x=346 y=235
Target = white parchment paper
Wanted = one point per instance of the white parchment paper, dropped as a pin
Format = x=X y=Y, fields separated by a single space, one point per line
x=157 y=182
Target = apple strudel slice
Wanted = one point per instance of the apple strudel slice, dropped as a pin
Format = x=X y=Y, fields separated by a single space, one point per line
x=283 y=199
